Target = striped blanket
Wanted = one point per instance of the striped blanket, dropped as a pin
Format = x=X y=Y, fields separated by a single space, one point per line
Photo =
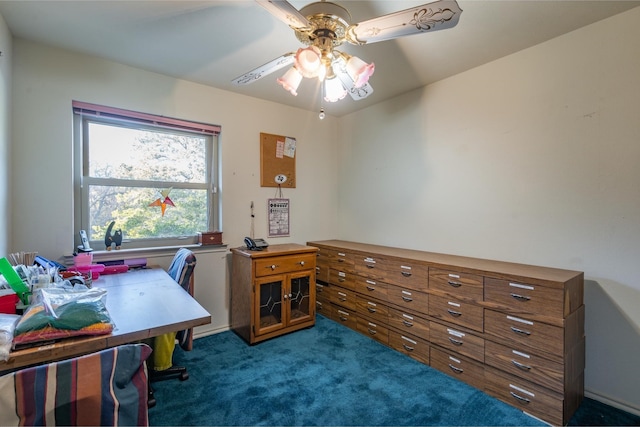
x=106 y=388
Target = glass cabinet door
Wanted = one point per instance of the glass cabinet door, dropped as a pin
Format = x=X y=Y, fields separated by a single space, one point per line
x=270 y=310
x=301 y=288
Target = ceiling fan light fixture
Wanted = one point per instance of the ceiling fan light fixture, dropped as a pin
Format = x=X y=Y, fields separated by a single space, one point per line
x=334 y=91
x=291 y=80
x=309 y=61
x=359 y=71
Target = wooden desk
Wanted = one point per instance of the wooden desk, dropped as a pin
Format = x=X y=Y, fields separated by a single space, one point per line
x=142 y=304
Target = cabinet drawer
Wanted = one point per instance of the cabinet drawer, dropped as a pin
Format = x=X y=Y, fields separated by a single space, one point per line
x=342 y=278
x=345 y=317
x=457 y=311
x=373 y=330
x=459 y=367
x=410 y=345
x=322 y=265
x=526 y=334
x=322 y=291
x=457 y=341
x=284 y=264
x=408 y=298
x=524 y=299
x=409 y=323
x=526 y=396
x=461 y=285
x=341 y=260
x=343 y=297
x=371 y=288
x=525 y=365
x=373 y=309
x=399 y=272
x=324 y=308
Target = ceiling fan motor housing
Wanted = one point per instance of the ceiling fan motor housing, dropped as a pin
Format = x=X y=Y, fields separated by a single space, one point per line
x=329 y=24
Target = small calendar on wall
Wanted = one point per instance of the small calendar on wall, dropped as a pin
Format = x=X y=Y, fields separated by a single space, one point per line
x=278 y=214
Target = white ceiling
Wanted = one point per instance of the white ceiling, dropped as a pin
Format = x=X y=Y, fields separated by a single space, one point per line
x=212 y=42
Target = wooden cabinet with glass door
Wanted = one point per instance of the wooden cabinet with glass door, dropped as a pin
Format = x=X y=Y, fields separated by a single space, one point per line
x=272 y=291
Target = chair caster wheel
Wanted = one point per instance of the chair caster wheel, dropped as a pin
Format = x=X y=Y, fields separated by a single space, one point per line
x=184 y=376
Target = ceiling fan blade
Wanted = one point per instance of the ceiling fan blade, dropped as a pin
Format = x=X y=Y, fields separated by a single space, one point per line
x=263 y=70
x=284 y=11
x=434 y=16
x=356 y=93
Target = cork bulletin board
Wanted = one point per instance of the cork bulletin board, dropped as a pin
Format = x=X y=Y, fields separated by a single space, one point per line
x=277 y=160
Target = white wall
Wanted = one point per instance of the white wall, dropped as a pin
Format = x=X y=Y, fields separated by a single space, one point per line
x=6 y=43
x=532 y=158
x=45 y=82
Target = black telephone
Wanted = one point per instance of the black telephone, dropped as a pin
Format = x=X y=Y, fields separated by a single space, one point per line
x=255 y=245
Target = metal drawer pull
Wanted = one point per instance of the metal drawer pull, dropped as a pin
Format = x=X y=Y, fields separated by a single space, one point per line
x=407 y=299
x=454 y=284
x=455 y=369
x=371 y=310
x=370 y=266
x=523 y=399
x=521 y=297
x=371 y=331
x=407 y=323
x=405 y=273
x=455 y=342
x=408 y=348
x=343 y=299
x=521 y=366
x=371 y=288
x=344 y=319
x=342 y=279
x=454 y=313
x=340 y=260
x=520 y=331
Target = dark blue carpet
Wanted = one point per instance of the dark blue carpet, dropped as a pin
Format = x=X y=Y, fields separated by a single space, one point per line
x=327 y=375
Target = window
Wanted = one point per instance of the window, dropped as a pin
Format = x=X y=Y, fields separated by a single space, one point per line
x=154 y=178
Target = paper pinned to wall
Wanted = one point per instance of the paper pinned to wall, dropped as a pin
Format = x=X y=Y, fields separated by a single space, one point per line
x=290 y=147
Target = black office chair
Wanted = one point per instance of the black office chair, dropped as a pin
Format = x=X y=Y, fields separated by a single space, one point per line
x=182 y=270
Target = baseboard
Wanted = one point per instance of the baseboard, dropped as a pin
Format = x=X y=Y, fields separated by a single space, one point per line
x=208 y=332
x=612 y=402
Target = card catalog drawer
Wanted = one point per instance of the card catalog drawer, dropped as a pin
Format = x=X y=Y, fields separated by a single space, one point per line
x=522 y=298
x=375 y=310
x=409 y=299
x=457 y=341
x=374 y=330
x=345 y=317
x=409 y=323
x=457 y=366
x=372 y=288
x=343 y=297
x=457 y=311
x=526 y=396
x=536 y=337
x=462 y=285
x=342 y=278
x=324 y=308
x=410 y=345
x=525 y=365
x=341 y=260
x=322 y=292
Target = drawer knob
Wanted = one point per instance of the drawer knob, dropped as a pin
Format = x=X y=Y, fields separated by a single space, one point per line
x=521 y=366
x=272 y=266
x=520 y=331
x=521 y=297
x=302 y=263
x=520 y=398
x=456 y=369
x=454 y=313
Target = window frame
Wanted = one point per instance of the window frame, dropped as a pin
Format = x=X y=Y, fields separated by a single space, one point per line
x=84 y=113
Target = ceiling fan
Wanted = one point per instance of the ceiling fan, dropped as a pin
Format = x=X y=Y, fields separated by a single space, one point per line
x=323 y=26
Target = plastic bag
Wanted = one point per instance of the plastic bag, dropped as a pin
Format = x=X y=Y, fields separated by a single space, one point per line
x=61 y=312
x=7 y=326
